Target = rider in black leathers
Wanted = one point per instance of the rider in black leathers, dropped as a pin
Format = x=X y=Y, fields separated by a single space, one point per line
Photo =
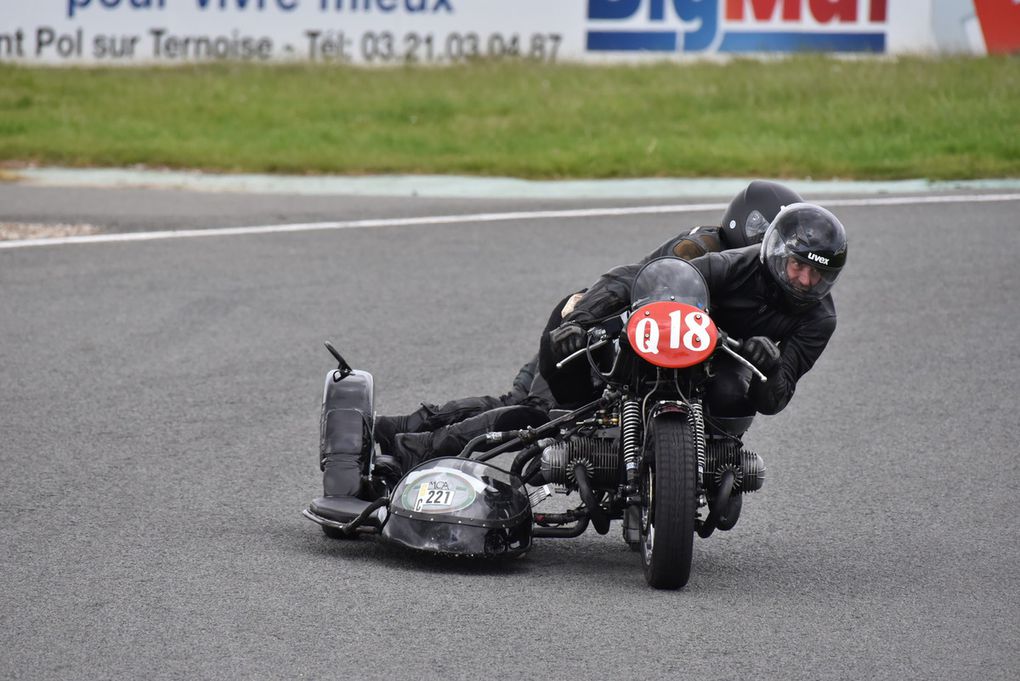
x=772 y=295
x=444 y=430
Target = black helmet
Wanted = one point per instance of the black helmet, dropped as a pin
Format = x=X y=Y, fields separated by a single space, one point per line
x=804 y=250
x=752 y=210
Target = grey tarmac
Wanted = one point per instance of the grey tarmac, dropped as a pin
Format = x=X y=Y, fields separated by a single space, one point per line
x=159 y=414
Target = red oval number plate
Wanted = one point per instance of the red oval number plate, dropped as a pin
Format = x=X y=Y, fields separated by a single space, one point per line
x=672 y=335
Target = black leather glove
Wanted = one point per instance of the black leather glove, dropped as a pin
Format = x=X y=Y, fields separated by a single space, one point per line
x=567 y=338
x=761 y=352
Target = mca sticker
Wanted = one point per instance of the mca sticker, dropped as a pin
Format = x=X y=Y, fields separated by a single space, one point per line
x=438 y=492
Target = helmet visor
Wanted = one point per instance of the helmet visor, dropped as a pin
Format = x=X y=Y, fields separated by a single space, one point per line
x=801 y=276
x=754 y=227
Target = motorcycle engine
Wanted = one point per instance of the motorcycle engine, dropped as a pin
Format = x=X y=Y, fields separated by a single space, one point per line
x=747 y=467
x=599 y=455
x=601 y=458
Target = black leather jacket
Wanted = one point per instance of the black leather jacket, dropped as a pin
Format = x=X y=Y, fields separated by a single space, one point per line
x=745 y=302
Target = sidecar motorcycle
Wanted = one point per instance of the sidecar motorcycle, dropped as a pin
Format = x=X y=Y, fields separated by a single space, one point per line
x=645 y=452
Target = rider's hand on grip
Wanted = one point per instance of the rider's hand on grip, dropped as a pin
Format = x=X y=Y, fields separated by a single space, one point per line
x=761 y=352
x=567 y=339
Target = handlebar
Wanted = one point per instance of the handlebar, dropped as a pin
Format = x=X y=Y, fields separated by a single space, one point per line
x=731 y=346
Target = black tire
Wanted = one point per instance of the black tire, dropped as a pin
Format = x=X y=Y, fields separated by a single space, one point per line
x=669 y=486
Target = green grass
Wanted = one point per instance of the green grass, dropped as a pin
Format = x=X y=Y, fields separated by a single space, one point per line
x=811 y=116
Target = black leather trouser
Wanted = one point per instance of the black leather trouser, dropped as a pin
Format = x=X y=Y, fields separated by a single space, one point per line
x=528 y=388
x=444 y=430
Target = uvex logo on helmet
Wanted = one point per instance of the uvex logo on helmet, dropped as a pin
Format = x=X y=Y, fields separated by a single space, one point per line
x=817 y=258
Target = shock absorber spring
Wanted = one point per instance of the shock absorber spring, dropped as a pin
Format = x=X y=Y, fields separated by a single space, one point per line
x=631 y=426
x=698 y=421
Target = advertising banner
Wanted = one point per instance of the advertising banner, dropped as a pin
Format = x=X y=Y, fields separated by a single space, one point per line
x=447 y=31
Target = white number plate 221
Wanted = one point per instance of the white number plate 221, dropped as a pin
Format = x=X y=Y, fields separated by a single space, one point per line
x=432 y=499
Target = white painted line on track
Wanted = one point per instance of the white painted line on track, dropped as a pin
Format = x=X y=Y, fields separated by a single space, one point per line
x=479 y=217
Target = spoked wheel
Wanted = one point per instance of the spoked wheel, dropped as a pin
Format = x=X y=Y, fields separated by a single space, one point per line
x=669 y=508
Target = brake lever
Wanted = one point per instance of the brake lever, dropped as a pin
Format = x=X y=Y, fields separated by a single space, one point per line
x=729 y=346
x=597 y=332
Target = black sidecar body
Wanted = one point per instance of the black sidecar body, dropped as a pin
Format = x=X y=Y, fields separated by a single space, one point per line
x=460 y=507
x=448 y=506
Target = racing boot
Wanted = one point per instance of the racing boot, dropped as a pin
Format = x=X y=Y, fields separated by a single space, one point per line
x=388 y=427
x=387 y=469
x=410 y=449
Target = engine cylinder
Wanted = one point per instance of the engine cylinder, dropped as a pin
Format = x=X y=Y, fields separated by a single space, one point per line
x=600 y=456
x=748 y=468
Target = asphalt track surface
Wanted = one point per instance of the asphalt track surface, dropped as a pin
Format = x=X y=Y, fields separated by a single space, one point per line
x=159 y=413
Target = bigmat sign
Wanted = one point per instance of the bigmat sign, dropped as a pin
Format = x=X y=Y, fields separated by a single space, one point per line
x=446 y=31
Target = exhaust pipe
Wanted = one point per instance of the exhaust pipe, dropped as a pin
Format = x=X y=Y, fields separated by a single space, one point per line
x=599 y=519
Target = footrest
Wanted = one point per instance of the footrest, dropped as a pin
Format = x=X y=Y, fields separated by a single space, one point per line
x=335 y=511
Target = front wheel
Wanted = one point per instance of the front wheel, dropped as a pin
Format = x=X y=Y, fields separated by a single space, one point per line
x=669 y=508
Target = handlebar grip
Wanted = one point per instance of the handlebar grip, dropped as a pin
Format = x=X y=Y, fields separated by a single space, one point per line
x=729 y=341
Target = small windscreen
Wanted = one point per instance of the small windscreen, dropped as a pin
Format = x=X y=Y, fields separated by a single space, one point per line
x=669 y=279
